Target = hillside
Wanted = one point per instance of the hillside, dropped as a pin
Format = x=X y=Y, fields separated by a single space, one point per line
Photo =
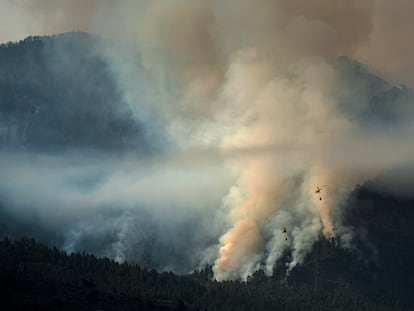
x=376 y=275
x=60 y=92
x=33 y=276
x=59 y=95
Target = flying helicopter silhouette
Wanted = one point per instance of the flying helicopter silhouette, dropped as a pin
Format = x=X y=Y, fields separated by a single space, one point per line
x=284 y=231
x=318 y=190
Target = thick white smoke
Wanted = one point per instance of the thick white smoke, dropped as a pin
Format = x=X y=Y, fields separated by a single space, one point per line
x=257 y=84
x=262 y=75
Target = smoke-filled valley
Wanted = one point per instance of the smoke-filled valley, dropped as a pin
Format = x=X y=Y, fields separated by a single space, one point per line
x=235 y=134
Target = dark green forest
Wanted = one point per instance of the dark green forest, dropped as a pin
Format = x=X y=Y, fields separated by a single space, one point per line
x=375 y=275
x=35 y=277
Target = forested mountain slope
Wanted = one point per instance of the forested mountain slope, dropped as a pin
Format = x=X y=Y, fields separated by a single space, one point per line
x=375 y=275
x=59 y=92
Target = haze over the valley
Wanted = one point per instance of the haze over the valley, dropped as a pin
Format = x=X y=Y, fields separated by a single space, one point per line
x=221 y=119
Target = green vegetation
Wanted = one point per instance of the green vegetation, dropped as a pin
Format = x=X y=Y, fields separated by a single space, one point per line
x=33 y=276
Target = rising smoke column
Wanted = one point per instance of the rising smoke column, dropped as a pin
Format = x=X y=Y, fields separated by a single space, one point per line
x=257 y=78
x=256 y=81
x=287 y=126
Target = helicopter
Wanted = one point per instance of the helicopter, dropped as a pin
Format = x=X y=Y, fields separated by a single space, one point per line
x=318 y=189
x=285 y=233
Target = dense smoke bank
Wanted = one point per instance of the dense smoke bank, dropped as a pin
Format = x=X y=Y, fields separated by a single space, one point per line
x=258 y=93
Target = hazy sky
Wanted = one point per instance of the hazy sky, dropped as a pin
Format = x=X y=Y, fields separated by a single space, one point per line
x=377 y=32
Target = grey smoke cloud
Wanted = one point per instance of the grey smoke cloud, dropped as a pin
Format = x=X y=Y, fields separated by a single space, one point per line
x=125 y=208
x=257 y=109
x=375 y=32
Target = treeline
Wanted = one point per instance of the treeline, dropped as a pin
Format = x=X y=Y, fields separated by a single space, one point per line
x=34 y=276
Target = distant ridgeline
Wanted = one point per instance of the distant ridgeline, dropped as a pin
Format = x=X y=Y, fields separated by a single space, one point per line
x=373 y=101
x=58 y=92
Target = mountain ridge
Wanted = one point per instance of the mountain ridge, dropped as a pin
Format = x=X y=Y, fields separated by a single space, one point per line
x=56 y=93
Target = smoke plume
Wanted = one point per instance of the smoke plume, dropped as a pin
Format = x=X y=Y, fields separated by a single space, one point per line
x=260 y=93
x=263 y=75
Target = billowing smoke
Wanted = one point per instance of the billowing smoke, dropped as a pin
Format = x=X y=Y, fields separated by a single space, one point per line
x=257 y=94
x=264 y=76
